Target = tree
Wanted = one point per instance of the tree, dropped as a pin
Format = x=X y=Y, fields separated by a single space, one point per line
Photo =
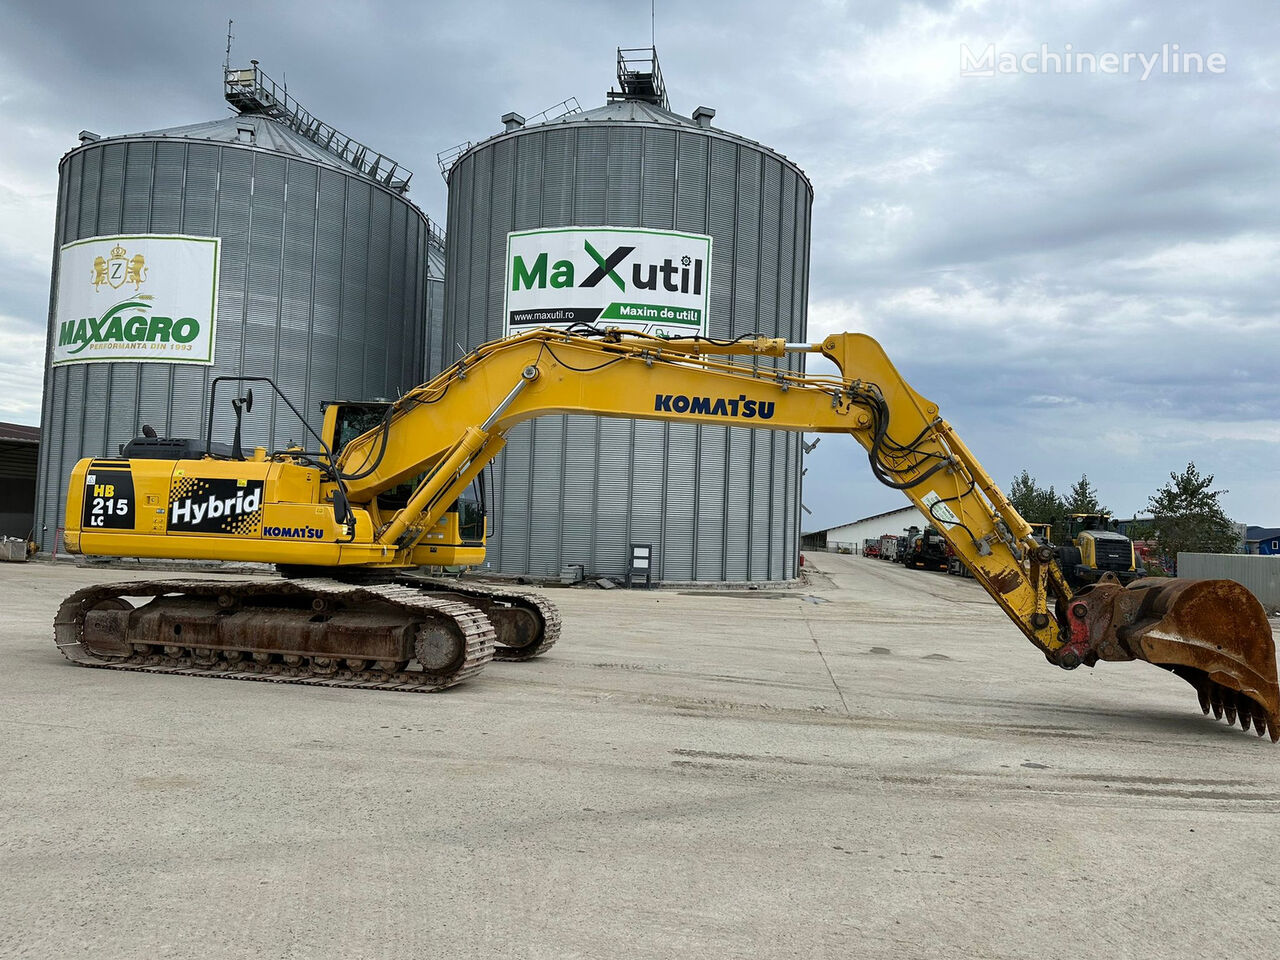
x=1083 y=498
x=1033 y=502
x=1187 y=517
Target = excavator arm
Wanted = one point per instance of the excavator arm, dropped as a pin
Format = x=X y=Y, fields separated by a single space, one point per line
x=639 y=377
x=440 y=436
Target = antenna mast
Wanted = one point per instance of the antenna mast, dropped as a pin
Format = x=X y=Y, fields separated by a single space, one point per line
x=226 y=63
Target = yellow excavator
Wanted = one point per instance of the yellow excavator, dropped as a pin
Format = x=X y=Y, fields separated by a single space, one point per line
x=388 y=489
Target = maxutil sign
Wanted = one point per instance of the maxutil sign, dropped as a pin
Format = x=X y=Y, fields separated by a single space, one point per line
x=655 y=281
x=138 y=298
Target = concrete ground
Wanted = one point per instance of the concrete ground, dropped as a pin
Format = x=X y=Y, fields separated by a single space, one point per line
x=875 y=766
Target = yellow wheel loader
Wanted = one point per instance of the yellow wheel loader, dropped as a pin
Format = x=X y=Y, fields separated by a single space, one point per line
x=1094 y=549
x=384 y=490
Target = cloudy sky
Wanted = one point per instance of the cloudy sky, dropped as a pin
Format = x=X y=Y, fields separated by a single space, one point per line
x=1080 y=268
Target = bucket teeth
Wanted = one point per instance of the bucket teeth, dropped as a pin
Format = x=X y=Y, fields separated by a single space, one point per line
x=1265 y=724
x=1233 y=706
x=1245 y=710
x=1214 y=634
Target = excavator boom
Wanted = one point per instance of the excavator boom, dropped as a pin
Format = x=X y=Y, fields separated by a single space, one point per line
x=439 y=437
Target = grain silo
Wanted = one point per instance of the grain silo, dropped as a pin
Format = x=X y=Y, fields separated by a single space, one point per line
x=716 y=503
x=435 y=300
x=321 y=278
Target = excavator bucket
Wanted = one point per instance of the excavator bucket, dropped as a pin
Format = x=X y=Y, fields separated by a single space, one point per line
x=1212 y=633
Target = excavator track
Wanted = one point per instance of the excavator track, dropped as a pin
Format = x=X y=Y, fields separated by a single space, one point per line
x=528 y=624
x=449 y=641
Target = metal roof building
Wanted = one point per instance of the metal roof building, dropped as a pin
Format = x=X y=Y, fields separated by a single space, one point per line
x=851 y=535
x=19 y=452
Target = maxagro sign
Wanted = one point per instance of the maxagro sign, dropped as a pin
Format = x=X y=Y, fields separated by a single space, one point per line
x=655 y=281
x=137 y=298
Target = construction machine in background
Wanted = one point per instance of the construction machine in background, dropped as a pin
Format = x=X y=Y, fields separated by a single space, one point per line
x=1149 y=556
x=928 y=550
x=349 y=520
x=888 y=547
x=1094 y=550
x=905 y=542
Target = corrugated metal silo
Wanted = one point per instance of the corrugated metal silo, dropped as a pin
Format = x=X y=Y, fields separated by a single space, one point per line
x=717 y=503
x=322 y=283
x=435 y=300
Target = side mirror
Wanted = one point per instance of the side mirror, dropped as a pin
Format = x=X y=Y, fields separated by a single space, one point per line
x=240 y=405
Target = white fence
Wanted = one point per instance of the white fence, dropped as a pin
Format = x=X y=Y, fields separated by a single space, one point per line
x=1260 y=574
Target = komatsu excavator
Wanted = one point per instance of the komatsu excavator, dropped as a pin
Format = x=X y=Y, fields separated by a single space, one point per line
x=347 y=521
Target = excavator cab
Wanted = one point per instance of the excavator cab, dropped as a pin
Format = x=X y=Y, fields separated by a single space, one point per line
x=1078 y=523
x=458 y=538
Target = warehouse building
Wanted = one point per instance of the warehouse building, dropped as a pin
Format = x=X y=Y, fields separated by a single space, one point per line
x=19 y=452
x=851 y=536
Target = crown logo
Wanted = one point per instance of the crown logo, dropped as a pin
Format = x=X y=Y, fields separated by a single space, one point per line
x=118 y=269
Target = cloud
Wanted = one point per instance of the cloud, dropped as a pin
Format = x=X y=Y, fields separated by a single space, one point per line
x=21 y=370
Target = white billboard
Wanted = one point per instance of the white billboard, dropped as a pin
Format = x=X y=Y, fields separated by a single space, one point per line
x=655 y=281
x=139 y=298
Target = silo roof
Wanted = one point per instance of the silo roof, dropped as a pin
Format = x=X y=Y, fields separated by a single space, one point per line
x=267 y=135
x=634 y=111
x=623 y=110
